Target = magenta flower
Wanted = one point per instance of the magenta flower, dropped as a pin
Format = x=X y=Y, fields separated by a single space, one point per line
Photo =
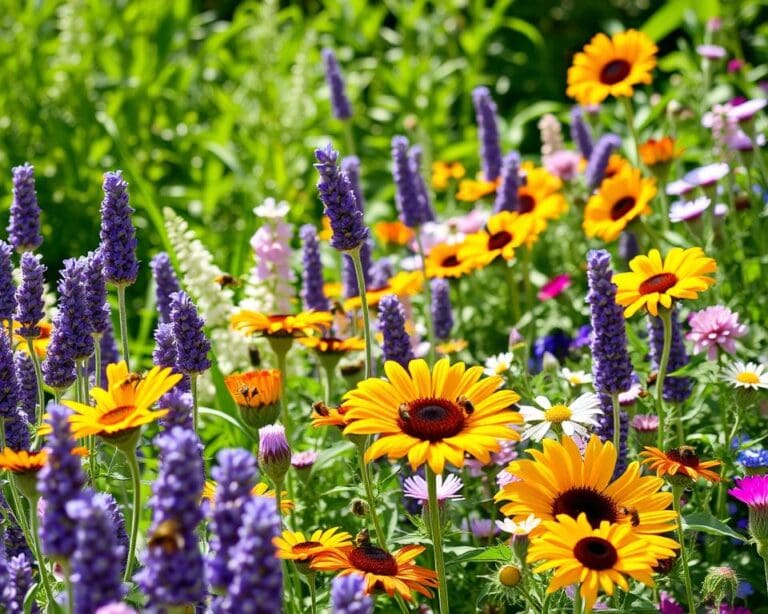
x=711 y=52
x=563 y=164
x=752 y=491
x=715 y=327
x=554 y=287
x=735 y=65
x=645 y=423
x=415 y=487
x=705 y=176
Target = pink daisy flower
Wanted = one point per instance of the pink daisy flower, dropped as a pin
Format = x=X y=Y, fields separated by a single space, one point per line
x=554 y=286
x=714 y=328
x=563 y=164
x=447 y=489
x=711 y=52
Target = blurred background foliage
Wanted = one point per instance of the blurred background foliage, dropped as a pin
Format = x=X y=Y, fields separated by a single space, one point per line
x=209 y=107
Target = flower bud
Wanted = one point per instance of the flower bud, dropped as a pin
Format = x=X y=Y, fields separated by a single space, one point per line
x=720 y=585
x=510 y=575
x=274 y=453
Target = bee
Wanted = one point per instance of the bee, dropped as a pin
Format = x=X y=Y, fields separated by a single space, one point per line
x=167 y=536
x=132 y=379
x=466 y=404
x=363 y=538
x=403 y=412
x=687 y=453
x=633 y=514
x=225 y=280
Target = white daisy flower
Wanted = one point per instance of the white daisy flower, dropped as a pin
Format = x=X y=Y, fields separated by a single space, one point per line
x=746 y=375
x=500 y=364
x=570 y=418
x=518 y=529
x=575 y=378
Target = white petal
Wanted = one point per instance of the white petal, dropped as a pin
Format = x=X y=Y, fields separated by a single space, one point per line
x=543 y=401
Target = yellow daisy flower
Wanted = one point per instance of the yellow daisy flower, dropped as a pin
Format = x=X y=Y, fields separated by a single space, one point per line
x=504 y=232
x=540 y=195
x=299 y=325
x=443 y=261
x=294 y=546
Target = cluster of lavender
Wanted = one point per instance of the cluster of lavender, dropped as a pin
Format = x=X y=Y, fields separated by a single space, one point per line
x=412 y=197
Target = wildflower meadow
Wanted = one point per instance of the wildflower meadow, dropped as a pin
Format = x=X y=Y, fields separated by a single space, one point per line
x=361 y=307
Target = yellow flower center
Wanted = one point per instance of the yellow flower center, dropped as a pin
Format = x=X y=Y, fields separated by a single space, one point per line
x=557 y=414
x=574 y=380
x=747 y=377
x=501 y=367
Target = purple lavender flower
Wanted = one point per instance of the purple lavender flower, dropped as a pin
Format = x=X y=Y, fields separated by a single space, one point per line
x=312 y=292
x=166 y=284
x=381 y=272
x=604 y=430
x=24 y=225
x=339 y=101
x=350 y=166
x=407 y=197
x=29 y=296
x=59 y=482
x=74 y=314
x=442 y=314
x=7 y=287
x=348 y=595
x=611 y=366
x=235 y=476
x=164 y=355
x=580 y=133
x=174 y=575
x=414 y=161
x=628 y=246
x=96 y=578
x=14 y=541
x=341 y=207
x=95 y=288
x=17 y=584
x=9 y=388
x=598 y=161
x=397 y=343
x=192 y=346
x=506 y=195
x=256 y=585
x=676 y=389
x=274 y=452
x=488 y=132
x=348 y=275
x=118 y=236
x=17 y=431
x=179 y=405
x=118 y=522
x=115 y=608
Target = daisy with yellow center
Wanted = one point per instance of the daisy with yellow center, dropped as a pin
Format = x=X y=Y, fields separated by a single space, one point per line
x=299 y=325
x=559 y=481
x=294 y=546
x=570 y=419
x=657 y=153
x=748 y=375
x=682 y=462
x=383 y=571
x=503 y=233
x=595 y=558
x=540 y=195
x=444 y=172
x=22 y=461
x=453 y=346
x=393 y=233
x=611 y=67
x=618 y=201
x=125 y=405
x=432 y=417
x=260 y=490
x=443 y=261
x=652 y=282
x=404 y=283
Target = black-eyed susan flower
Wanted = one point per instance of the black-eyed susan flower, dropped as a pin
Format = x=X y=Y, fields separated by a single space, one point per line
x=585 y=485
x=298 y=325
x=302 y=550
x=432 y=417
x=618 y=201
x=611 y=67
x=659 y=152
x=652 y=282
x=393 y=233
x=540 y=195
x=681 y=462
x=503 y=233
x=257 y=394
x=444 y=261
x=404 y=283
x=444 y=172
x=595 y=558
x=471 y=190
x=332 y=345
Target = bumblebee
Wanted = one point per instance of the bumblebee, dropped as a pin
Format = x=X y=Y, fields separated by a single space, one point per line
x=225 y=280
x=167 y=536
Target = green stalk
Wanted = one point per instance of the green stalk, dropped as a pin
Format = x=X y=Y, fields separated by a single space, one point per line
x=666 y=318
x=193 y=389
x=577 y=601
x=355 y=255
x=280 y=347
x=677 y=492
x=437 y=540
x=514 y=295
x=35 y=529
x=97 y=359
x=630 y=116
x=39 y=378
x=616 y=421
x=367 y=483
x=526 y=273
x=133 y=467
x=428 y=298
x=313 y=592
x=123 y=323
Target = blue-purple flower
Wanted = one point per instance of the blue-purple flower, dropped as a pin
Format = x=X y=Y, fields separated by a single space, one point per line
x=9 y=388
x=29 y=296
x=397 y=343
x=7 y=286
x=95 y=288
x=598 y=161
x=350 y=166
x=192 y=346
x=118 y=236
x=506 y=195
x=348 y=595
x=580 y=133
x=676 y=389
x=488 y=132
x=442 y=313
x=312 y=292
x=166 y=284
x=408 y=197
x=339 y=101
x=24 y=224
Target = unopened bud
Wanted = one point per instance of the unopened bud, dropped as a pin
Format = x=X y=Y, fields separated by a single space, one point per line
x=510 y=575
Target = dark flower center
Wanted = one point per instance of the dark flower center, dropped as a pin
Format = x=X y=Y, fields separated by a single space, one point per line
x=614 y=71
x=113 y=416
x=685 y=455
x=595 y=553
x=303 y=547
x=658 y=283
x=583 y=500
x=526 y=203
x=622 y=207
x=498 y=240
x=450 y=261
x=431 y=419
x=373 y=560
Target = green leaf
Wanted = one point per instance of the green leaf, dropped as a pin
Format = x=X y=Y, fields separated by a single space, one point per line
x=494 y=554
x=209 y=411
x=707 y=523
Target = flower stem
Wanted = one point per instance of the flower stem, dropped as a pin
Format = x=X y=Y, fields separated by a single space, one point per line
x=526 y=273
x=355 y=255
x=514 y=295
x=630 y=117
x=677 y=492
x=437 y=540
x=428 y=298
x=666 y=318
x=193 y=389
x=35 y=530
x=39 y=378
x=313 y=592
x=280 y=346
x=577 y=600
x=133 y=467
x=616 y=421
x=121 y=308
x=97 y=360
x=366 y=475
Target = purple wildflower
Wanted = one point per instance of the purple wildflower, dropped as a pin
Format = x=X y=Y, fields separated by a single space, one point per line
x=397 y=343
x=14 y=541
x=24 y=225
x=59 y=482
x=414 y=161
x=118 y=240
x=312 y=292
x=381 y=272
x=235 y=476
x=164 y=355
x=115 y=608
x=341 y=207
x=166 y=284
x=74 y=314
x=339 y=101
x=274 y=452
x=256 y=586
x=669 y=605
x=118 y=522
x=487 y=132
x=174 y=576
x=407 y=196
x=348 y=595
x=17 y=431
x=580 y=133
x=9 y=388
x=598 y=161
x=448 y=488
x=178 y=402
x=192 y=346
x=7 y=287
x=715 y=328
x=628 y=246
x=95 y=577
x=442 y=314
x=29 y=296
x=611 y=365
x=95 y=288
x=506 y=195
x=304 y=460
x=350 y=166
x=676 y=389
x=17 y=584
